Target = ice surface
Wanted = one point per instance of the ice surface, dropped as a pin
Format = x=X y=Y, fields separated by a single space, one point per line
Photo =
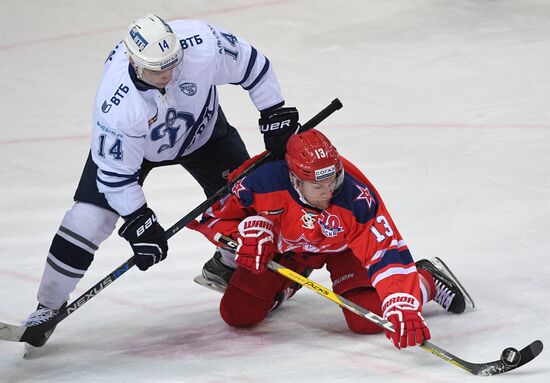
x=445 y=109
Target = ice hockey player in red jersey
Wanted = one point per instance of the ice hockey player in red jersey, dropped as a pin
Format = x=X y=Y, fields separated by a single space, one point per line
x=316 y=209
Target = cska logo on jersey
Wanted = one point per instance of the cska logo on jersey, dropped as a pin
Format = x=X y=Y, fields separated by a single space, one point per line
x=365 y=194
x=330 y=224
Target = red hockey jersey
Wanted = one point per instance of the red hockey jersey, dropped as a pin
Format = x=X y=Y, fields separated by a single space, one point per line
x=357 y=219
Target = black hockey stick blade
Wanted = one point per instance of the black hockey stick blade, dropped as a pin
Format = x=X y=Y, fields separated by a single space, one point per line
x=527 y=354
x=22 y=333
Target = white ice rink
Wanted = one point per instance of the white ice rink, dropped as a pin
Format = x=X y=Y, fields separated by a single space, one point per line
x=446 y=109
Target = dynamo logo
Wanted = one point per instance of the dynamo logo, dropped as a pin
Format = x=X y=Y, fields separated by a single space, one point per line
x=188 y=88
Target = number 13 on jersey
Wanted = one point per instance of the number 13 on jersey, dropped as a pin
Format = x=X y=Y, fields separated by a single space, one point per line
x=388 y=232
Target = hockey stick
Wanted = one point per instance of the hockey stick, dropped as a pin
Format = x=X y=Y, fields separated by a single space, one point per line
x=32 y=334
x=510 y=358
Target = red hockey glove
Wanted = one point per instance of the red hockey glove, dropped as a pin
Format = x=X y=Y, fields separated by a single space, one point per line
x=255 y=244
x=402 y=310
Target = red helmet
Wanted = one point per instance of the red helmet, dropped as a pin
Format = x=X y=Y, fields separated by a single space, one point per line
x=311 y=157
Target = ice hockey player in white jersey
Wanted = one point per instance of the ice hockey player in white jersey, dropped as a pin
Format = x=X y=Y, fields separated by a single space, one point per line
x=157 y=105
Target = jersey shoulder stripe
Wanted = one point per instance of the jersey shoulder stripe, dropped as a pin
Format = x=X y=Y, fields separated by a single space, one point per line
x=268 y=178
x=260 y=76
x=251 y=63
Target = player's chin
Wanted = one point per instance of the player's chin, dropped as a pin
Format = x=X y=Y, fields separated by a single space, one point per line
x=321 y=204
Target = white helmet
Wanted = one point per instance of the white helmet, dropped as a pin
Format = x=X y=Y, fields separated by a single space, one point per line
x=151 y=44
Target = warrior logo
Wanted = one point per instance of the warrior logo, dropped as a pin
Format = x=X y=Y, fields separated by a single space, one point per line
x=188 y=88
x=330 y=224
x=170 y=129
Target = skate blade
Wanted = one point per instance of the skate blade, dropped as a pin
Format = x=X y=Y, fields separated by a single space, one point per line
x=442 y=266
x=29 y=351
x=211 y=285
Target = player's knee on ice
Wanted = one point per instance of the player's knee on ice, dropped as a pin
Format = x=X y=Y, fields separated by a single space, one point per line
x=367 y=298
x=241 y=309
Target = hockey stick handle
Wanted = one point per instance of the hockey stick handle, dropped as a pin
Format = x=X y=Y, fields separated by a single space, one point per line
x=319 y=117
x=34 y=331
x=313 y=122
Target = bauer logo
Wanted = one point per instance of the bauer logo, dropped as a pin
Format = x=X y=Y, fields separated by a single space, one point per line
x=188 y=88
x=138 y=39
x=324 y=173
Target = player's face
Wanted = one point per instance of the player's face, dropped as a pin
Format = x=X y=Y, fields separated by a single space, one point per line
x=158 y=79
x=318 y=194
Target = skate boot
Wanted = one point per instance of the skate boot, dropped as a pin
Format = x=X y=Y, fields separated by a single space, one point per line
x=289 y=291
x=42 y=315
x=449 y=292
x=215 y=274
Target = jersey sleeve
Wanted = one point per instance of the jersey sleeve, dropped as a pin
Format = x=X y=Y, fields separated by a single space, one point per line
x=118 y=150
x=226 y=214
x=223 y=217
x=376 y=241
x=239 y=63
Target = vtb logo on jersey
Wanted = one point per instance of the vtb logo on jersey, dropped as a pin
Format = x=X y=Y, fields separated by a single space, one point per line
x=330 y=224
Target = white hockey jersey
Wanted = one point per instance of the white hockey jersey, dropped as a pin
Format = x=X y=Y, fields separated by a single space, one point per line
x=133 y=122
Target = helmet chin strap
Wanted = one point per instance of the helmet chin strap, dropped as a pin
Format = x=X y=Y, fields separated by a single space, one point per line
x=295 y=181
x=137 y=68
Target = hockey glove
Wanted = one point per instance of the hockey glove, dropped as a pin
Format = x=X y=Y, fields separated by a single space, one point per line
x=402 y=310
x=277 y=126
x=146 y=236
x=255 y=244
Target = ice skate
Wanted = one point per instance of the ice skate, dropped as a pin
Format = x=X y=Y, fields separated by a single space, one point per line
x=215 y=274
x=41 y=315
x=449 y=294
